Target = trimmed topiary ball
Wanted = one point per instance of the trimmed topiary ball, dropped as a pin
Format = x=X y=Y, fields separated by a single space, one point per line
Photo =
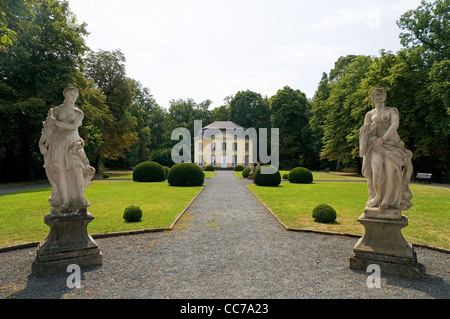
x=149 y=172
x=132 y=214
x=246 y=172
x=209 y=168
x=324 y=213
x=239 y=168
x=186 y=174
x=300 y=175
x=267 y=179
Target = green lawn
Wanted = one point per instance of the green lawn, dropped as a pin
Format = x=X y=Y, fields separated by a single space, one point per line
x=429 y=218
x=319 y=176
x=21 y=214
x=125 y=175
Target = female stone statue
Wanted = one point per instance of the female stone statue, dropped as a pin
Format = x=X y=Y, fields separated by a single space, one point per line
x=386 y=162
x=65 y=162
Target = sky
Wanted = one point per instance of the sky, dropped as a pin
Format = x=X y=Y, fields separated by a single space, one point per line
x=211 y=49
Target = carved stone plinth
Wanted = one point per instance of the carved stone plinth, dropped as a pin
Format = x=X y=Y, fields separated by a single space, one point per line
x=68 y=242
x=383 y=244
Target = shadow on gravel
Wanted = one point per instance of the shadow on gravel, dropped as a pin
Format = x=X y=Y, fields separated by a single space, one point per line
x=50 y=287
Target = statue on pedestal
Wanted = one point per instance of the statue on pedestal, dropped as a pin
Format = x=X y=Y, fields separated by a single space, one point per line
x=69 y=173
x=388 y=168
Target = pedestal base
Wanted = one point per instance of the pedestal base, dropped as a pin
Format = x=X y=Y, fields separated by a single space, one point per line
x=67 y=243
x=383 y=244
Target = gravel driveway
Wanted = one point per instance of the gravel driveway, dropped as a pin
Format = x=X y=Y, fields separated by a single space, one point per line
x=226 y=245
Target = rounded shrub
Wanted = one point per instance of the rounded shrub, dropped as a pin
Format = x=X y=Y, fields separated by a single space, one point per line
x=239 y=168
x=132 y=214
x=285 y=176
x=209 y=168
x=246 y=172
x=324 y=213
x=186 y=174
x=149 y=172
x=300 y=175
x=267 y=179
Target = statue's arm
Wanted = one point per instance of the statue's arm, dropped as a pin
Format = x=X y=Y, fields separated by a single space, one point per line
x=395 y=121
x=364 y=134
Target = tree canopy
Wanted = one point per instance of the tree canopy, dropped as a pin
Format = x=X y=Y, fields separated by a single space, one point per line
x=43 y=48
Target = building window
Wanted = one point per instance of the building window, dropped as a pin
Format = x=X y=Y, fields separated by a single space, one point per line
x=234 y=160
x=247 y=161
x=213 y=147
x=200 y=146
x=247 y=147
x=235 y=146
x=213 y=160
x=200 y=160
x=224 y=146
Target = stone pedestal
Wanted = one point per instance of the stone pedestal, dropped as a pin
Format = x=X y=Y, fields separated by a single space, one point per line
x=67 y=243
x=383 y=244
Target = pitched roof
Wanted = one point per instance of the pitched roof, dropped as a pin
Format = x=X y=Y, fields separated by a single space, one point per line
x=219 y=125
x=223 y=125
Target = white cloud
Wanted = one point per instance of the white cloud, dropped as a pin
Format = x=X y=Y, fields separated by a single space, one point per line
x=205 y=49
x=340 y=18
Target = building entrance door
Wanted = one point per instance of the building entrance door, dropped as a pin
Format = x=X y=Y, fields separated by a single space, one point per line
x=223 y=161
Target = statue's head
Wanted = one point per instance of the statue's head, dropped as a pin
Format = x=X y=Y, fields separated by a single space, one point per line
x=71 y=91
x=378 y=94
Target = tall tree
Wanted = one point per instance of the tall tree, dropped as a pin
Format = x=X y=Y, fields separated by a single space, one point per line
x=250 y=109
x=426 y=61
x=341 y=126
x=428 y=27
x=46 y=55
x=11 y=11
x=290 y=113
x=318 y=115
x=220 y=113
x=107 y=70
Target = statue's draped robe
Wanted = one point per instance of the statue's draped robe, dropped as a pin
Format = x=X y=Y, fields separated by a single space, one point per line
x=65 y=154
x=395 y=153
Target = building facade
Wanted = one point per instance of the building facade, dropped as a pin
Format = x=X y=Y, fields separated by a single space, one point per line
x=224 y=144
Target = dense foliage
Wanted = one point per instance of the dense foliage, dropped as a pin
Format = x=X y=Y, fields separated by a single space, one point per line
x=300 y=175
x=132 y=214
x=324 y=213
x=43 y=48
x=266 y=179
x=149 y=172
x=186 y=174
x=246 y=172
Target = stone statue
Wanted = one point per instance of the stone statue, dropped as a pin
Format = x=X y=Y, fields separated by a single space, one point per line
x=69 y=173
x=388 y=168
x=65 y=162
x=386 y=162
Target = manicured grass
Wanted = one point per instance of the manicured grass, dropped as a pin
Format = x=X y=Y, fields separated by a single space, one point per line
x=319 y=176
x=128 y=175
x=429 y=218
x=21 y=214
x=209 y=174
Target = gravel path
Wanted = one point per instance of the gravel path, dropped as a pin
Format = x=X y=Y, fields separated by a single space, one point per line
x=225 y=246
